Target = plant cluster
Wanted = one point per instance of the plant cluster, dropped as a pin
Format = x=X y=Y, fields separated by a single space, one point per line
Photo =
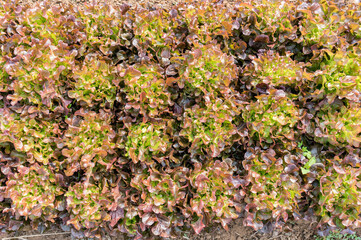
x=147 y=142
x=338 y=235
x=339 y=195
x=273 y=69
x=154 y=122
x=146 y=90
x=35 y=192
x=275 y=189
x=217 y=196
x=88 y=205
x=94 y=82
x=339 y=124
x=30 y=134
x=272 y=118
x=162 y=196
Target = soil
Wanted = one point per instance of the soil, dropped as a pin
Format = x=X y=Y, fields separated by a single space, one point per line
x=301 y=230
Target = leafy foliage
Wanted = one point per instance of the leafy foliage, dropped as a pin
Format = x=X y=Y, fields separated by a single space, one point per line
x=35 y=192
x=217 y=195
x=339 y=235
x=207 y=21
x=159 y=31
x=207 y=71
x=162 y=194
x=275 y=186
x=94 y=82
x=338 y=203
x=88 y=142
x=151 y=122
x=339 y=76
x=275 y=70
x=88 y=205
x=147 y=142
x=210 y=129
x=32 y=135
x=146 y=89
x=272 y=117
x=338 y=124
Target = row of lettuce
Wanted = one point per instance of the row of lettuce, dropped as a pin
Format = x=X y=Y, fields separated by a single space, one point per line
x=155 y=122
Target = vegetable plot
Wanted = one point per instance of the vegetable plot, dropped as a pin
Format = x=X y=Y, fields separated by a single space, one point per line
x=153 y=122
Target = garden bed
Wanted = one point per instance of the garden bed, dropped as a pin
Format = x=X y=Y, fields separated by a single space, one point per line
x=301 y=124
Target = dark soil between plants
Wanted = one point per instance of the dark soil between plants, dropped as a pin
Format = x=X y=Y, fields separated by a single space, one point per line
x=301 y=230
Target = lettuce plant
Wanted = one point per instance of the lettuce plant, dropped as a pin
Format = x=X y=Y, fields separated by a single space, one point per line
x=338 y=202
x=318 y=26
x=217 y=194
x=264 y=25
x=315 y=29
x=208 y=71
x=36 y=192
x=338 y=125
x=210 y=129
x=148 y=142
x=275 y=18
x=268 y=22
x=275 y=186
x=94 y=82
x=161 y=32
x=42 y=21
x=162 y=194
x=39 y=73
x=207 y=21
x=352 y=18
x=88 y=205
x=275 y=70
x=339 y=76
x=272 y=118
x=89 y=142
x=33 y=135
x=146 y=89
x=103 y=32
